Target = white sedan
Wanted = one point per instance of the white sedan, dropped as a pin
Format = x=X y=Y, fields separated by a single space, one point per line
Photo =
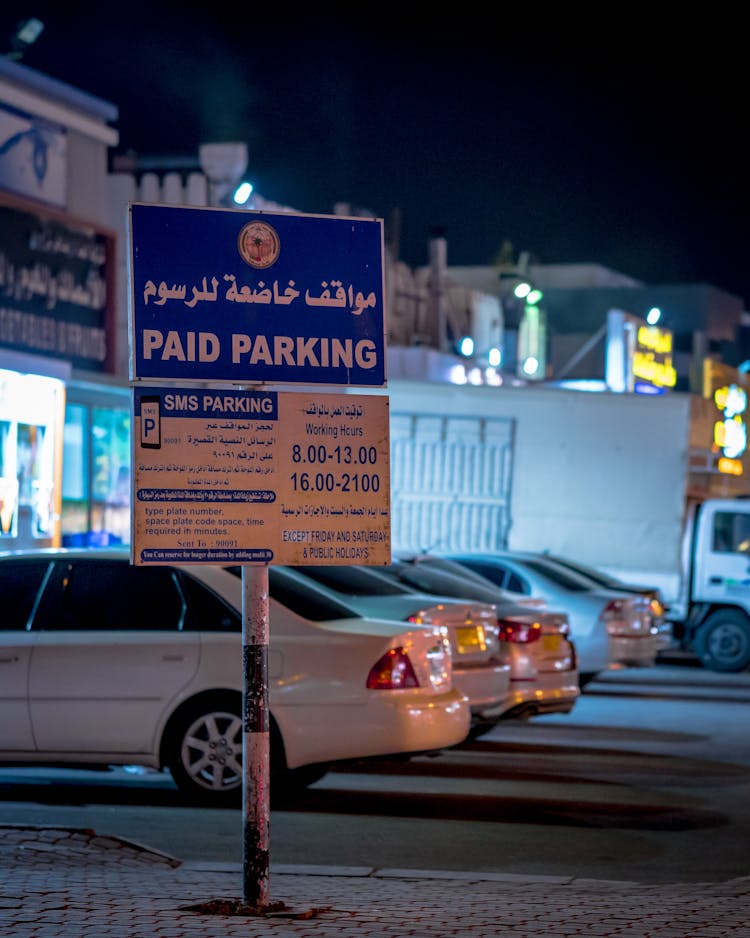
x=610 y=628
x=103 y=662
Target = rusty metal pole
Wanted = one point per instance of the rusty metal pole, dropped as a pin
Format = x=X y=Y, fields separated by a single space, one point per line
x=255 y=736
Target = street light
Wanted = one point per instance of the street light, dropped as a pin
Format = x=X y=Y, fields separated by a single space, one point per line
x=224 y=165
x=242 y=193
x=26 y=33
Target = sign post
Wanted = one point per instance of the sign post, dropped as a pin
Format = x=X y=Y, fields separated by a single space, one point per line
x=243 y=474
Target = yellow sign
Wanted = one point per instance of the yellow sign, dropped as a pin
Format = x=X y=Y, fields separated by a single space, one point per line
x=241 y=476
x=652 y=357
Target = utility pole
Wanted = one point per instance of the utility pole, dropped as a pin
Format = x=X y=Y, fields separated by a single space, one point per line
x=224 y=165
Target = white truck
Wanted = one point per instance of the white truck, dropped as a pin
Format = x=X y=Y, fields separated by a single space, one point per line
x=608 y=480
x=711 y=615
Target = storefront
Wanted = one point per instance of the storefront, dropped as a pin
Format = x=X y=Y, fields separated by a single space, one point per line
x=95 y=509
x=64 y=466
x=32 y=409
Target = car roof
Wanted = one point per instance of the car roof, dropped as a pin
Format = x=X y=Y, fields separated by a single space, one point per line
x=537 y=564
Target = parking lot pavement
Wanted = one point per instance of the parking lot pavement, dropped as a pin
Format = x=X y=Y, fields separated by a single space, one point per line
x=73 y=883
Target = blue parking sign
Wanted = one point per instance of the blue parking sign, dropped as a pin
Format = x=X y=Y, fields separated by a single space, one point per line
x=249 y=296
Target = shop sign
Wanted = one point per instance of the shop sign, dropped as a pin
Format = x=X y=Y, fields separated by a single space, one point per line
x=55 y=298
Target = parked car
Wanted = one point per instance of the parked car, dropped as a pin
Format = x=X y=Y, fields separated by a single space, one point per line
x=480 y=666
x=543 y=668
x=103 y=662
x=657 y=605
x=610 y=628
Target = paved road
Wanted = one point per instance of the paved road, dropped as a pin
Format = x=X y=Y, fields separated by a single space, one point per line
x=647 y=779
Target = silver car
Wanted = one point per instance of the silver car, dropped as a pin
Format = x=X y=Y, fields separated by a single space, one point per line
x=543 y=666
x=610 y=628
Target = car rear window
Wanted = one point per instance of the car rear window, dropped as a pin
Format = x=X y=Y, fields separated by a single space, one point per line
x=20 y=581
x=419 y=576
x=496 y=573
x=207 y=612
x=353 y=581
x=305 y=600
x=559 y=576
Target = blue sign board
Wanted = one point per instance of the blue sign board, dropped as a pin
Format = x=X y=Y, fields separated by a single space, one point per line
x=247 y=296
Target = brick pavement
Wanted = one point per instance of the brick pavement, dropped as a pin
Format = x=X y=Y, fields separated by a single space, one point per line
x=73 y=883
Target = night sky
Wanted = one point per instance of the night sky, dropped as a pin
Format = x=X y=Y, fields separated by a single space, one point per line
x=599 y=139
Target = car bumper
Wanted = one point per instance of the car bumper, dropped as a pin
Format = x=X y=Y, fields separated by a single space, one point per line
x=546 y=693
x=486 y=688
x=634 y=651
x=393 y=724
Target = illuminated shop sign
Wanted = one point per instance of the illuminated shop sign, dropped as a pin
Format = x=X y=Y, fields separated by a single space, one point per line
x=638 y=356
x=724 y=386
x=652 y=357
x=730 y=431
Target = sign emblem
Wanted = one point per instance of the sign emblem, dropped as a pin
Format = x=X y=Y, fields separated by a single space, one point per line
x=258 y=244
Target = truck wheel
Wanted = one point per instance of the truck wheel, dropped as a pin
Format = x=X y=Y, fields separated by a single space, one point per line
x=723 y=641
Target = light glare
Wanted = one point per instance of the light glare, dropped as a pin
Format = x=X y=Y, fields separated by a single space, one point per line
x=243 y=192
x=466 y=346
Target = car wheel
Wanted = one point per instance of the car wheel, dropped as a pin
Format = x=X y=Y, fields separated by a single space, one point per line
x=204 y=753
x=586 y=678
x=723 y=641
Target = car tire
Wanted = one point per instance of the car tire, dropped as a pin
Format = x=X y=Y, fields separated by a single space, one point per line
x=722 y=643
x=204 y=756
x=586 y=678
x=203 y=751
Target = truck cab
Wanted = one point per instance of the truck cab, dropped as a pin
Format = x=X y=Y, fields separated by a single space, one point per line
x=713 y=617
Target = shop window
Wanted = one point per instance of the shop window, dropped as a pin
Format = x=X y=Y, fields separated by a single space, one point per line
x=96 y=476
x=30 y=409
x=75 y=472
x=8 y=482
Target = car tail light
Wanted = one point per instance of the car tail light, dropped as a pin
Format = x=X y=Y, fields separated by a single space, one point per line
x=393 y=671
x=510 y=630
x=614 y=607
x=622 y=618
x=657 y=608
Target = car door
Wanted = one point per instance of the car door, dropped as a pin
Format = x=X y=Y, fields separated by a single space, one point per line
x=20 y=583
x=109 y=656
